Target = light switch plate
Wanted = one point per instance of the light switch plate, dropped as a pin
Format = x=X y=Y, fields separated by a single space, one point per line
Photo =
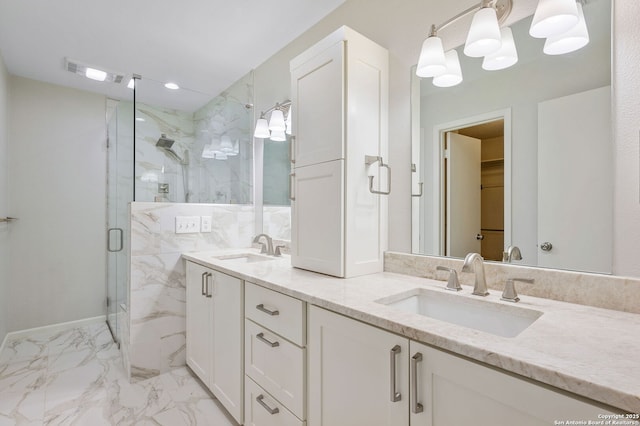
x=205 y=223
x=187 y=224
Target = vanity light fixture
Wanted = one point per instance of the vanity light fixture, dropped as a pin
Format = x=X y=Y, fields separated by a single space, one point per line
x=560 y=21
x=279 y=124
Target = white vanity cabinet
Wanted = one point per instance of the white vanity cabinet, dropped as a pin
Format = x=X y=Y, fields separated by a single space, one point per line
x=353 y=371
x=275 y=358
x=358 y=374
x=340 y=116
x=215 y=326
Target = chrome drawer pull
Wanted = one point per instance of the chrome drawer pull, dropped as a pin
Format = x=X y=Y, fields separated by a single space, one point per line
x=204 y=274
x=209 y=275
x=395 y=395
x=260 y=398
x=261 y=307
x=260 y=336
x=416 y=407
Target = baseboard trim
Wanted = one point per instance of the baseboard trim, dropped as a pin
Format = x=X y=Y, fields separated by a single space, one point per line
x=51 y=328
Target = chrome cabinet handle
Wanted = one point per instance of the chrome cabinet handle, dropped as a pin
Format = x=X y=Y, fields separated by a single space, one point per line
x=261 y=308
x=209 y=275
x=260 y=336
x=292 y=196
x=260 y=399
x=546 y=246
x=395 y=396
x=479 y=237
x=371 y=159
x=204 y=274
x=419 y=194
x=292 y=156
x=416 y=407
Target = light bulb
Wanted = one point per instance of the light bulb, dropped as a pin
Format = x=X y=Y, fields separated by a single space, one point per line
x=453 y=75
x=506 y=56
x=432 y=61
x=570 y=41
x=262 y=129
x=278 y=136
x=484 y=35
x=553 y=17
x=276 y=123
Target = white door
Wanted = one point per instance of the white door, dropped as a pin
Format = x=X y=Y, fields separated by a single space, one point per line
x=574 y=203
x=317 y=224
x=463 y=195
x=351 y=372
x=227 y=373
x=198 y=321
x=317 y=89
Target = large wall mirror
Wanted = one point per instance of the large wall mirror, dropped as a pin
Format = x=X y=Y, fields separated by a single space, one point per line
x=519 y=157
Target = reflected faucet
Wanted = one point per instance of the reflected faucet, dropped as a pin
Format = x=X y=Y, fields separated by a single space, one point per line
x=474 y=263
x=266 y=248
x=512 y=253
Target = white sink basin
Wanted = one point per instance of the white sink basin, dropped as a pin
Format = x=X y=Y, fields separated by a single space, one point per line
x=491 y=317
x=244 y=258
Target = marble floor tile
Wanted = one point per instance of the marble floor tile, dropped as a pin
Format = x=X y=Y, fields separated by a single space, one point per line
x=76 y=377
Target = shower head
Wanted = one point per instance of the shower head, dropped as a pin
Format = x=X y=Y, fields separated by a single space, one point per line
x=164 y=142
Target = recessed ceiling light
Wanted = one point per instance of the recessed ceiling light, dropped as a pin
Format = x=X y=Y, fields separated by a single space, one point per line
x=171 y=86
x=95 y=74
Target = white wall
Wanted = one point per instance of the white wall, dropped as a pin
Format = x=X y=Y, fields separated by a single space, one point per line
x=57 y=161
x=4 y=205
x=626 y=114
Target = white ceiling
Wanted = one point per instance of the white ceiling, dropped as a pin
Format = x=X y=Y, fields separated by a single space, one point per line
x=203 y=45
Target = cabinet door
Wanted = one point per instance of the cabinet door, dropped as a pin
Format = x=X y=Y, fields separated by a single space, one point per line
x=454 y=391
x=198 y=314
x=318 y=218
x=317 y=90
x=351 y=370
x=227 y=374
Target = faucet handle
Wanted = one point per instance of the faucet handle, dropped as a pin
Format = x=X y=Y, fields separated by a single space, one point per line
x=452 y=284
x=278 y=252
x=509 y=294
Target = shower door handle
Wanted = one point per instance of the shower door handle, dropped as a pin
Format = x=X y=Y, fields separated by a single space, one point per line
x=121 y=240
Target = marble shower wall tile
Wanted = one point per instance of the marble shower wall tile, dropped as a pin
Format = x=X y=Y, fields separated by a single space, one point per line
x=602 y=291
x=154 y=333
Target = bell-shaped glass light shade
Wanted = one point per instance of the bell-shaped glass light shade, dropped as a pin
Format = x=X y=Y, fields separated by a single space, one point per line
x=208 y=151
x=505 y=57
x=278 y=136
x=220 y=155
x=262 y=129
x=574 y=39
x=453 y=75
x=553 y=17
x=432 y=61
x=287 y=122
x=484 y=35
x=276 y=123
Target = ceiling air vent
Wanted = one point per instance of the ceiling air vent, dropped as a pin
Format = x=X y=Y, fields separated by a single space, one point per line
x=92 y=72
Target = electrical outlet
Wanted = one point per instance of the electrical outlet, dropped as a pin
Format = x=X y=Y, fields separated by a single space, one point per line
x=205 y=223
x=187 y=224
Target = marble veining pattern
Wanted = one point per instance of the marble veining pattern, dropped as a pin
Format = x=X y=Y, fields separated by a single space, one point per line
x=76 y=377
x=154 y=338
x=585 y=350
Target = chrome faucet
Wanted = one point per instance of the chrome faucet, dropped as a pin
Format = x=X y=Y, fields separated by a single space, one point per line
x=266 y=248
x=474 y=263
x=512 y=253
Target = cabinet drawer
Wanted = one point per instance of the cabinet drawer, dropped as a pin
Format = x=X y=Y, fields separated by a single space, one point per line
x=281 y=314
x=261 y=409
x=276 y=365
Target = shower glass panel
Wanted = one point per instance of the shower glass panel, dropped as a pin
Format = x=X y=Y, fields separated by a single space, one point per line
x=119 y=195
x=193 y=147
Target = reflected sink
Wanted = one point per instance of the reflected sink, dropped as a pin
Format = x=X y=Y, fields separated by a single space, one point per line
x=495 y=318
x=244 y=258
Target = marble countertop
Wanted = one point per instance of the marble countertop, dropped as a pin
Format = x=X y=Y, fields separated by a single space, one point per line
x=584 y=350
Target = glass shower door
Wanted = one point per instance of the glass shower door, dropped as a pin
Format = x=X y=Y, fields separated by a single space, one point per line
x=119 y=195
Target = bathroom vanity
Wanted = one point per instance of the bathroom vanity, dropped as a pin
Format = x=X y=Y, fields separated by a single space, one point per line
x=320 y=350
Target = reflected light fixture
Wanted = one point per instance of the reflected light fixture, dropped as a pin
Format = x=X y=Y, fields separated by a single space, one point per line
x=560 y=21
x=570 y=41
x=279 y=124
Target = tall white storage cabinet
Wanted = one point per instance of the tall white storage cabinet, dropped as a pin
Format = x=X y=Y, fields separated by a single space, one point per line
x=340 y=91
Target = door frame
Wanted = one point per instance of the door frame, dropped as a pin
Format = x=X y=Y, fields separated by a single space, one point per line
x=438 y=205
